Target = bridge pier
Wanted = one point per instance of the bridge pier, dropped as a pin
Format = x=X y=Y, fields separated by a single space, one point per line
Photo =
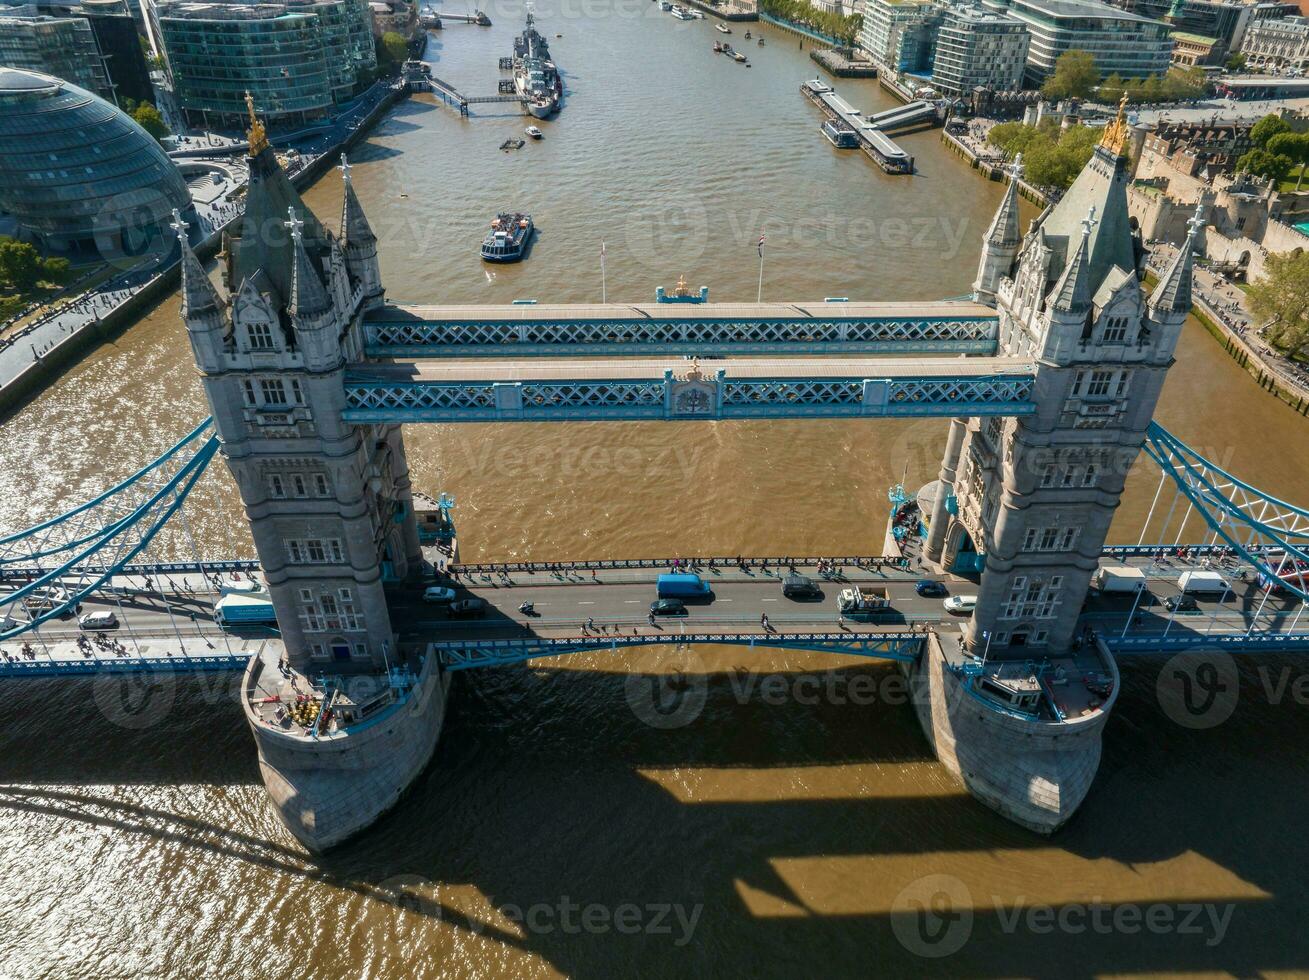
x=1035 y=773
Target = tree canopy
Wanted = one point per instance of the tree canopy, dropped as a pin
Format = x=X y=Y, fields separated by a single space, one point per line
x=392 y=50
x=149 y=119
x=1075 y=76
x=1281 y=298
x=22 y=268
x=1051 y=157
x=1269 y=166
x=1295 y=147
x=1266 y=128
x=802 y=12
x=1177 y=85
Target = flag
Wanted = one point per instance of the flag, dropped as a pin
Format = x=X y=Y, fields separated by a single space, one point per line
x=761 y=246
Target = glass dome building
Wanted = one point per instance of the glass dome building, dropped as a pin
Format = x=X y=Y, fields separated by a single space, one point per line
x=78 y=173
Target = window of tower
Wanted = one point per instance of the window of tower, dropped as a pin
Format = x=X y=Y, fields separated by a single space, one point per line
x=259 y=336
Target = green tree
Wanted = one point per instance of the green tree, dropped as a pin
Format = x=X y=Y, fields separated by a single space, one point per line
x=20 y=264
x=1261 y=163
x=1235 y=63
x=392 y=50
x=54 y=269
x=1295 y=147
x=1075 y=76
x=1281 y=299
x=1266 y=128
x=149 y=119
x=1051 y=157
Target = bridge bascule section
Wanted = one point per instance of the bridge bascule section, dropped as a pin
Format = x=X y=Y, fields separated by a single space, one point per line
x=1049 y=378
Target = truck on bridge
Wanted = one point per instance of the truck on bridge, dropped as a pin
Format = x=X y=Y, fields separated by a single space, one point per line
x=240 y=609
x=863 y=601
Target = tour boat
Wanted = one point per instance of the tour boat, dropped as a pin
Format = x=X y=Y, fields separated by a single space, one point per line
x=508 y=237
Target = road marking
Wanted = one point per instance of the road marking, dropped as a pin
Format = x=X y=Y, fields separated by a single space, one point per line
x=724 y=600
x=767 y=600
x=586 y=602
x=633 y=602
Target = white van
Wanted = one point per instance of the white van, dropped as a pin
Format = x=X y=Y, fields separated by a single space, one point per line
x=104 y=620
x=1202 y=582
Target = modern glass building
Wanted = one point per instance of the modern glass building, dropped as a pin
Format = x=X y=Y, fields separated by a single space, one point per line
x=900 y=34
x=1122 y=43
x=297 y=59
x=976 y=47
x=61 y=46
x=78 y=173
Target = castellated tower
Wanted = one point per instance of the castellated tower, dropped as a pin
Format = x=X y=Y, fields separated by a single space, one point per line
x=329 y=502
x=1036 y=494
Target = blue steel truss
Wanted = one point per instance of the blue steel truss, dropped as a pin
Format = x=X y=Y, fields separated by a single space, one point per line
x=372 y=399
x=124 y=665
x=80 y=561
x=643 y=335
x=466 y=654
x=105 y=514
x=1271 y=534
x=1259 y=641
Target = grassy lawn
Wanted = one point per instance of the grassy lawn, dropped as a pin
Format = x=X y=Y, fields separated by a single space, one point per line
x=1288 y=186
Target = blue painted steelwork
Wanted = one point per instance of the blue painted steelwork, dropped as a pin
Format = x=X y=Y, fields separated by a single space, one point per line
x=1258 y=527
x=462 y=655
x=104 y=515
x=708 y=336
x=1177 y=640
x=152 y=568
x=123 y=665
x=376 y=399
x=65 y=585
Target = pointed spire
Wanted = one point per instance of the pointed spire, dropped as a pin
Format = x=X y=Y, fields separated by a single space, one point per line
x=307 y=293
x=1003 y=232
x=355 y=229
x=1173 y=294
x=198 y=293
x=1072 y=294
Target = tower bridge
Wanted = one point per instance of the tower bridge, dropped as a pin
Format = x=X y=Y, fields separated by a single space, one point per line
x=1049 y=379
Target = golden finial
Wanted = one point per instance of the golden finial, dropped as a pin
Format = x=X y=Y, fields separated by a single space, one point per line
x=1115 y=134
x=256 y=135
x=681 y=286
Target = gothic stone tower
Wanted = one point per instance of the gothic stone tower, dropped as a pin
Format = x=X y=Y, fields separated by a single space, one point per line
x=1037 y=493
x=329 y=503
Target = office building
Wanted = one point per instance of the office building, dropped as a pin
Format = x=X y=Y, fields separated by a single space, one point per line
x=978 y=48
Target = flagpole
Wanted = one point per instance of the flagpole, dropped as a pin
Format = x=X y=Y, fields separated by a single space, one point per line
x=759 y=298
x=604 y=292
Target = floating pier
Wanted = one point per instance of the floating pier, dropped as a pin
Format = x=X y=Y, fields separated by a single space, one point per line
x=870 y=133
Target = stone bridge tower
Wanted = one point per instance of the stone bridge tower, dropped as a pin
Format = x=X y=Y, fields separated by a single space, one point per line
x=1036 y=494
x=329 y=503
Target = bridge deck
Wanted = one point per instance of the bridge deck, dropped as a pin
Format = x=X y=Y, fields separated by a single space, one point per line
x=654 y=369
x=816 y=310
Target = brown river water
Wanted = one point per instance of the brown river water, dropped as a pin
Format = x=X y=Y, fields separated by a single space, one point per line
x=791 y=819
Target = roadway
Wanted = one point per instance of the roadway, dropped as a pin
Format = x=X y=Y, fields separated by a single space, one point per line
x=618 y=601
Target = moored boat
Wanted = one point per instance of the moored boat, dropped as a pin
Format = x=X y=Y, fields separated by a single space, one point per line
x=722 y=29
x=533 y=132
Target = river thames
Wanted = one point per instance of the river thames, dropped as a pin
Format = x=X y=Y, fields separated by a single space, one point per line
x=563 y=826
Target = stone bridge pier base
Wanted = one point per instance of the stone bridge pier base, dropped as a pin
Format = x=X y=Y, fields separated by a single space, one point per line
x=1035 y=773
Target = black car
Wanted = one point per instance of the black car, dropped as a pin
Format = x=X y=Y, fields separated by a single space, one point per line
x=668 y=607
x=930 y=588
x=1180 y=603
x=800 y=587
x=467 y=608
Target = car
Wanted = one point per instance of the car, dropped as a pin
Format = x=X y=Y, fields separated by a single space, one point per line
x=930 y=588
x=668 y=607
x=438 y=593
x=104 y=620
x=467 y=608
x=1181 y=603
x=800 y=587
x=960 y=604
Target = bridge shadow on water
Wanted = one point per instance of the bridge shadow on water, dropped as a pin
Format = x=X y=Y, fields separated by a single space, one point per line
x=548 y=785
